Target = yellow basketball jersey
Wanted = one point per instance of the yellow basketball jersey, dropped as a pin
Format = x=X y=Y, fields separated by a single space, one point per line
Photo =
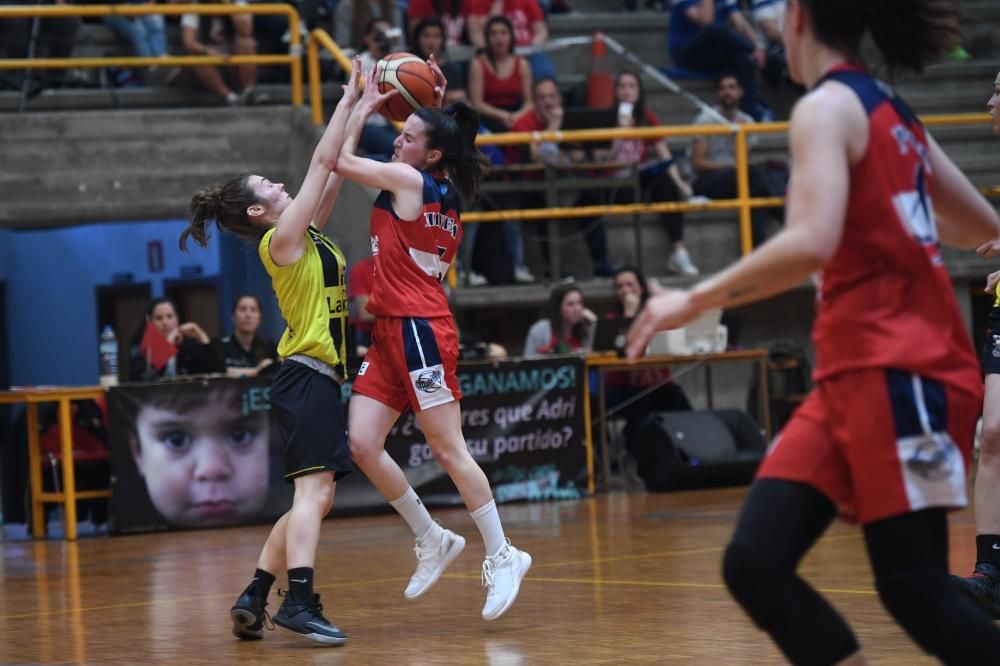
x=312 y=299
x=996 y=301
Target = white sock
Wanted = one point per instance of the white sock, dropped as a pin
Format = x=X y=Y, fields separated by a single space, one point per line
x=488 y=521
x=415 y=514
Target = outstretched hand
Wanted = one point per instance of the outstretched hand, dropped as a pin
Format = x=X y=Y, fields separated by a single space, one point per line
x=352 y=89
x=441 y=83
x=670 y=309
x=371 y=99
x=991 y=282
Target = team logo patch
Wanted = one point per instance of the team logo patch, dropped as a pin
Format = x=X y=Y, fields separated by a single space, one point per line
x=429 y=381
x=933 y=458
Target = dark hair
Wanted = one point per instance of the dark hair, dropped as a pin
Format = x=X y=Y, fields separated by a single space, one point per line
x=227 y=207
x=453 y=132
x=727 y=74
x=910 y=34
x=639 y=110
x=421 y=28
x=556 y=298
x=643 y=288
x=236 y=301
x=543 y=79
x=147 y=315
x=363 y=21
x=454 y=7
x=487 y=51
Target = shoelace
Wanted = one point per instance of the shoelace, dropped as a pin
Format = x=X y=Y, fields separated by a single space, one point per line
x=423 y=551
x=488 y=581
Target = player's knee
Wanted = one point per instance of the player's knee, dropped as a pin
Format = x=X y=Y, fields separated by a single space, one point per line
x=753 y=582
x=990 y=440
x=919 y=602
x=363 y=448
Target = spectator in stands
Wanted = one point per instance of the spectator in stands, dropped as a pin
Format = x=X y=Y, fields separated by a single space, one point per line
x=529 y=26
x=56 y=39
x=223 y=36
x=147 y=34
x=568 y=327
x=244 y=352
x=547 y=115
x=450 y=13
x=712 y=36
x=660 y=180
x=359 y=287
x=352 y=20
x=163 y=347
x=378 y=134
x=499 y=80
x=428 y=40
x=769 y=15
x=713 y=158
x=631 y=292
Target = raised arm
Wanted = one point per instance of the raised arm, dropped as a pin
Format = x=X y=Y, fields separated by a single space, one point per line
x=319 y=189
x=392 y=176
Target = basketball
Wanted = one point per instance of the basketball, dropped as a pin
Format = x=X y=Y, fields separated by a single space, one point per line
x=414 y=80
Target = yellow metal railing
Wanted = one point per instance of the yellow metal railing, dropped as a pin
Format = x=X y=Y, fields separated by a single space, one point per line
x=318 y=38
x=292 y=58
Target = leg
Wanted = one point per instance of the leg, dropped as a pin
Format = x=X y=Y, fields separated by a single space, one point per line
x=984 y=584
x=210 y=77
x=247 y=74
x=301 y=611
x=779 y=523
x=369 y=422
x=909 y=556
x=504 y=566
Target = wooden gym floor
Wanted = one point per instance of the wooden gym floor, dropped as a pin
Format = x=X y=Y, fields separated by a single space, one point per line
x=618 y=579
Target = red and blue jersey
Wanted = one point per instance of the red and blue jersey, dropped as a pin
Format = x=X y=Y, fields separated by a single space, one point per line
x=412 y=257
x=885 y=299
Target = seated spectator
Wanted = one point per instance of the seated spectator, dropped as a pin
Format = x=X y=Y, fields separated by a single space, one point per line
x=660 y=181
x=162 y=347
x=352 y=18
x=223 y=36
x=499 y=80
x=244 y=352
x=359 y=287
x=769 y=15
x=428 y=40
x=631 y=292
x=528 y=23
x=148 y=36
x=56 y=38
x=713 y=158
x=378 y=134
x=568 y=327
x=547 y=115
x=712 y=36
x=450 y=14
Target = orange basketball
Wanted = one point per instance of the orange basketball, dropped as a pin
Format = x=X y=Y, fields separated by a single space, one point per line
x=414 y=80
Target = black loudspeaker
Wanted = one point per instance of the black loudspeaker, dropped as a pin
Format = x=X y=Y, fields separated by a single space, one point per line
x=698 y=449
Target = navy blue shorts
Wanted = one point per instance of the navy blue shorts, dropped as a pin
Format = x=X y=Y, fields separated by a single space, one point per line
x=309 y=416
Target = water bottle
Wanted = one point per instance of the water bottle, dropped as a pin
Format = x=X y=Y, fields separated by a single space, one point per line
x=108 y=351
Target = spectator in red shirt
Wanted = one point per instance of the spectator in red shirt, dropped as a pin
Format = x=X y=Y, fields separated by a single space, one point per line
x=428 y=39
x=547 y=116
x=499 y=80
x=529 y=28
x=451 y=13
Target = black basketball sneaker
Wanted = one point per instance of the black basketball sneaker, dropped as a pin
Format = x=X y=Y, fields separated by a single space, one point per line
x=249 y=616
x=306 y=618
x=983 y=587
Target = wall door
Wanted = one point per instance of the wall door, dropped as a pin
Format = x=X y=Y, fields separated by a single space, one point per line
x=197 y=301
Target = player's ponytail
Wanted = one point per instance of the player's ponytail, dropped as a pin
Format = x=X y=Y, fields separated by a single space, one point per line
x=453 y=132
x=225 y=205
x=910 y=34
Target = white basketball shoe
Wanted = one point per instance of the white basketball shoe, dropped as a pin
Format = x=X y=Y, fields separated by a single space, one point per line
x=434 y=554
x=502 y=574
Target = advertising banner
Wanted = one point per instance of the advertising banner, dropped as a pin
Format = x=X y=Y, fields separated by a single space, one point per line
x=200 y=453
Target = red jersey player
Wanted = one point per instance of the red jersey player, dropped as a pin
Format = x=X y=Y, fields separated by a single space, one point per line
x=415 y=232
x=885 y=437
